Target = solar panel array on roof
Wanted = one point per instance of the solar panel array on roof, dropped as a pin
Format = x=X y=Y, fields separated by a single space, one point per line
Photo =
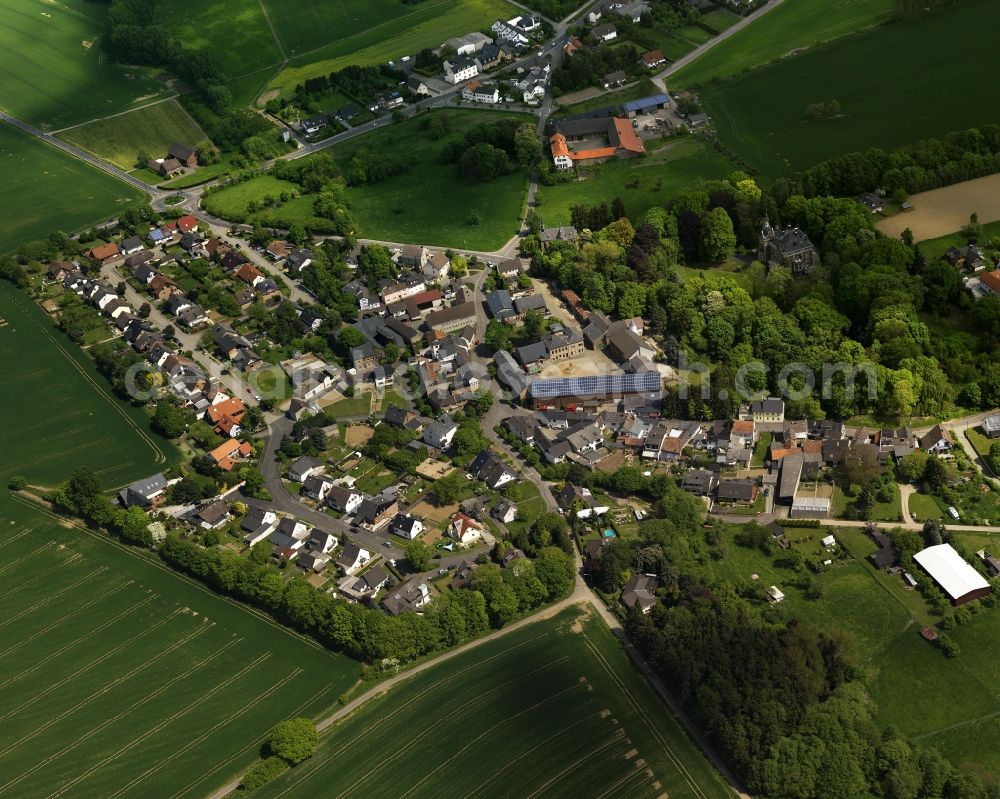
x=596 y=385
x=645 y=102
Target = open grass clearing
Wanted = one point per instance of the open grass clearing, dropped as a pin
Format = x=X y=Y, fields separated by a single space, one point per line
x=376 y=37
x=553 y=709
x=60 y=411
x=881 y=107
x=124 y=679
x=54 y=73
x=46 y=189
x=640 y=182
x=430 y=202
x=151 y=129
x=210 y=26
x=937 y=214
x=793 y=26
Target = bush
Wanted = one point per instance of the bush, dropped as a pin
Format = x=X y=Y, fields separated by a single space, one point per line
x=262 y=773
x=293 y=740
x=17 y=483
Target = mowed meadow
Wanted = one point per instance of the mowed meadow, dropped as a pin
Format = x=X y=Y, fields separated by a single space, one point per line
x=122 y=679
x=46 y=189
x=59 y=413
x=555 y=709
x=887 y=97
x=53 y=71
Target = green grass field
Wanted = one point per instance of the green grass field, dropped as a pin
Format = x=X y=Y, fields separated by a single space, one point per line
x=881 y=104
x=45 y=189
x=123 y=679
x=53 y=71
x=59 y=411
x=152 y=130
x=554 y=709
x=673 y=167
x=794 y=25
x=401 y=208
x=408 y=31
x=210 y=27
x=933 y=249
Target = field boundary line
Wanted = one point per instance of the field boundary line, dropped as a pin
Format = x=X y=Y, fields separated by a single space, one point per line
x=162 y=100
x=950 y=727
x=637 y=708
x=527 y=752
x=274 y=33
x=615 y=738
x=73 y=558
x=637 y=771
x=14 y=538
x=136 y=741
x=156 y=563
x=100 y=659
x=14 y=563
x=490 y=731
x=147 y=698
x=71 y=644
x=218 y=725
x=300 y=709
x=476 y=701
x=111 y=685
x=51 y=597
x=160 y=456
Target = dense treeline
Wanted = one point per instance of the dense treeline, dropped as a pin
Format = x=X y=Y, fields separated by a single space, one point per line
x=860 y=321
x=497 y=597
x=365 y=633
x=928 y=164
x=354 y=81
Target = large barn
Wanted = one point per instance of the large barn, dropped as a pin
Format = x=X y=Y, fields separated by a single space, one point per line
x=954 y=576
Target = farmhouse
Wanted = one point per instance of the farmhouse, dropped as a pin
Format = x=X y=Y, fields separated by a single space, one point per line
x=593 y=141
x=954 y=576
x=187 y=156
x=142 y=492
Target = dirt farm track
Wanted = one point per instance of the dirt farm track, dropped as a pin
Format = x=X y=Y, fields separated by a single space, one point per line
x=942 y=211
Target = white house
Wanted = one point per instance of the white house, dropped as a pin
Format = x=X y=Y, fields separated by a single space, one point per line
x=460 y=69
x=353 y=558
x=464 y=529
x=440 y=432
x=344 y=499
x=406 y=526
x=304 y=467
x=509 y=33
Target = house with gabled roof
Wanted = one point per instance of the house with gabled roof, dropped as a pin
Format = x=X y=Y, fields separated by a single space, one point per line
x=464 y=529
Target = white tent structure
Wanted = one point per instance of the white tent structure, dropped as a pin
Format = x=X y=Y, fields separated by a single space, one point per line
x=954 y=576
